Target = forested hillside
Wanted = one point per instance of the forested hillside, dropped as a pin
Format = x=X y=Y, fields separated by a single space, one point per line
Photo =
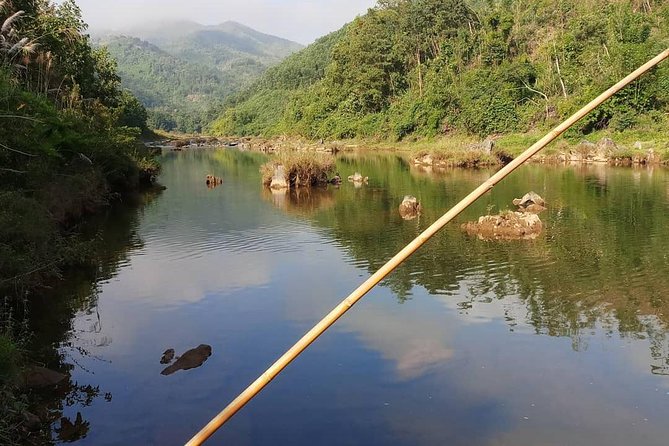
x=183 y=71
x=178 y=94
x=432 y=67
x=68 y=137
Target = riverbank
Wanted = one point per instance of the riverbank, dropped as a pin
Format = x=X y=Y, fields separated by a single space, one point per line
x=615 y=148
x=59 y=167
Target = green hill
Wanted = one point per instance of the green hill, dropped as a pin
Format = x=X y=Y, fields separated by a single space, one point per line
x=432 y=67
x=183 y=71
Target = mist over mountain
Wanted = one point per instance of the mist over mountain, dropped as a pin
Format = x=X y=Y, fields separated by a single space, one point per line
x=183 y=71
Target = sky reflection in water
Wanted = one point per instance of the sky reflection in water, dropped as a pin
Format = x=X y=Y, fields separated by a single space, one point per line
x=560 y=340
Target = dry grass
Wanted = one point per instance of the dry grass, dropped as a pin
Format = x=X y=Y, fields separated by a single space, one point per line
x=462 y=157
x=302 y=168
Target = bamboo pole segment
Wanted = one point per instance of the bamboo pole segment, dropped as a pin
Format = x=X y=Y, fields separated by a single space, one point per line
x=276 y=368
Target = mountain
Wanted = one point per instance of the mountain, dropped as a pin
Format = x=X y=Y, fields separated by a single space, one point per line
x=218 y=43
x=416 y=68
x=183 y=71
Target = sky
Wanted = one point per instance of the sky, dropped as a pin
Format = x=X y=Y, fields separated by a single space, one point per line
x=302 y=21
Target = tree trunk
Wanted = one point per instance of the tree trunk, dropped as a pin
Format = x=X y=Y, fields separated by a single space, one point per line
x=420 y=74
x=557 y=65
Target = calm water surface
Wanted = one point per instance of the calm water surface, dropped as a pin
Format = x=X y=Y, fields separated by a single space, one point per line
x=561 y=340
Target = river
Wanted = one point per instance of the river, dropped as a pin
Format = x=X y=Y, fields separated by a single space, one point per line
x=553 y=341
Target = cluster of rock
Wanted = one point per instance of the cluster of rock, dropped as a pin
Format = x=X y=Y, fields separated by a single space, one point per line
x=511 y=225
x=281 y=179
x=283 y=143
x=607 y=151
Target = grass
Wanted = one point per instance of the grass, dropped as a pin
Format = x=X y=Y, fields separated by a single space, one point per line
x=13 y=403
x=302 y=168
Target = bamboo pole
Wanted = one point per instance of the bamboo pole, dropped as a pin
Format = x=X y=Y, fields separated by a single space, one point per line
x=276 y=368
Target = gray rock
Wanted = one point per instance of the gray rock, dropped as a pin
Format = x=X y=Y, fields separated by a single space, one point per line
x=487 y=146
x=531 y=202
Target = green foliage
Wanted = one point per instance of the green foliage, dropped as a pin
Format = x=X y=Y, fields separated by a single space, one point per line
x=184 y=74
x=65 y=151
x=274 y=93
x=426 y=67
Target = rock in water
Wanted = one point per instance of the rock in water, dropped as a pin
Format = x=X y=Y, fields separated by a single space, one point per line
x=193 y=358
x=168 y=356
x=531 y=202
x=279 y=180
x=506 y=226
x=358 y=178
x=40 y=377
x=409 y=208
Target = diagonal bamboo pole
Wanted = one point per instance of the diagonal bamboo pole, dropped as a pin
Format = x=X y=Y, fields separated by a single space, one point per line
x=276 y=368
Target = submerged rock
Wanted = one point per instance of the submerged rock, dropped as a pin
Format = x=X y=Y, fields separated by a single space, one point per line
x=193 y=358
x=168 y=356
x=506 y=226
x=40 y=377
x=409 y=208
x=31 y=421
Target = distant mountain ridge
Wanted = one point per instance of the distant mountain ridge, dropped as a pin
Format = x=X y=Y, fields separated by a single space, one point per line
x=234 y=37
x=182 y=71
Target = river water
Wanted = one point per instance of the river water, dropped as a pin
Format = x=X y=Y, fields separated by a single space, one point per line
x=561 y=340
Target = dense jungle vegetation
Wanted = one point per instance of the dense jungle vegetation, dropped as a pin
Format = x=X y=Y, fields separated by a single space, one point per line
x=69 y=144
x=183 y=71
x=423 y=68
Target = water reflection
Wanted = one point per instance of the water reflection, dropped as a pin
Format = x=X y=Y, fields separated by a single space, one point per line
x=557 y=340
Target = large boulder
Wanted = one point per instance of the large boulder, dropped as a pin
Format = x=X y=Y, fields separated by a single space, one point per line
x=279 y=180
x=409 y=208
x=506 y=226
x=531 y=202
x=193 y=358
x=487 y=146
